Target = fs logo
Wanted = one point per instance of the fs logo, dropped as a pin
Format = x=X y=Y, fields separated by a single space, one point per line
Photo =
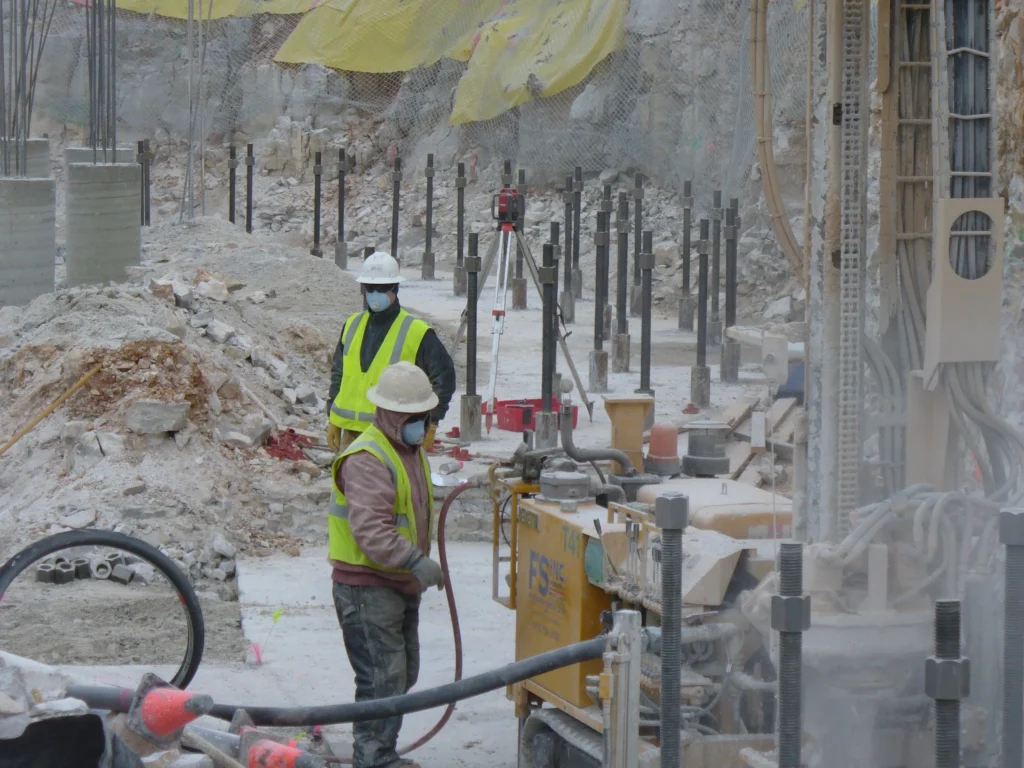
x=549 y=575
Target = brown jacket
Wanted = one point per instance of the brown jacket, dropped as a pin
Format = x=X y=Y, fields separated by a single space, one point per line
x=367 y=486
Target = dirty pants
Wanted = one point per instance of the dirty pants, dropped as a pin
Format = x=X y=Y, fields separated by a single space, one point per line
x=380 y=626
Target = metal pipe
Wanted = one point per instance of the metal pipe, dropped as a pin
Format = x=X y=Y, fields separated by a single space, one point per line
x=460 y=214
x=1011 y=534
x=250 y=162
x=646 y=269
x=472 y=295
x=427 y=265
x=702 y=293
x=716 y=248
x=567 y=198
x=687 y=213
x=671 y=516
x=622 y=266
x=548 y=280
x=232 y=182
x=318 y=170
x=521 y=224
x=600 y=278
x=342 y=179
x=584 y=455
x=638 y=204
x=791 y=616
x=730 y=266
x=396 y=191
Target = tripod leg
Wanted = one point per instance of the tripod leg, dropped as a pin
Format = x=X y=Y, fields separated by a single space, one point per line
x=535 y=275
x=498 y=322
x=488 y=262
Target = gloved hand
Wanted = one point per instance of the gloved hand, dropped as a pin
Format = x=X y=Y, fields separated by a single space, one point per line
x=428 y=572
x=428 y=439
x=334 y=437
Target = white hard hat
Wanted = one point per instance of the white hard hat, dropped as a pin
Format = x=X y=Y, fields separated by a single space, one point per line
x=380 y=269
x=405 y=388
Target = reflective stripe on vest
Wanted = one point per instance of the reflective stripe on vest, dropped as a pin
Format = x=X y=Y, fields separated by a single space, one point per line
x=343 y=546
x=351 y=409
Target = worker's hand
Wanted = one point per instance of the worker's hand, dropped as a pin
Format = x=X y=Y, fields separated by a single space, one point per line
x=428 y=573
x=334 y=437
x=428 y=439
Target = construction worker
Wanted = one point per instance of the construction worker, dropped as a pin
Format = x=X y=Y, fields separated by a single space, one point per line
x=379 y=532
x=379 y=336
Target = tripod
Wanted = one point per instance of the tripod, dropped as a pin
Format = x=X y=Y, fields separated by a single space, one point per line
x=503 y=247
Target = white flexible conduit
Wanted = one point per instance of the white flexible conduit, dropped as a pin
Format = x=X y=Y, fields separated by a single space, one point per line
x=760 y=76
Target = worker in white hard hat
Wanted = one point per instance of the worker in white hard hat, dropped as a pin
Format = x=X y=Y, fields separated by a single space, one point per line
x=379 y=534
x=371 y=340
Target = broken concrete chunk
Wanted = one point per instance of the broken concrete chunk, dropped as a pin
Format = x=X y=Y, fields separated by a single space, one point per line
x=223 y=547
x=148 y=417
x=183 y=436
x=213 y=403
x=305 y=394
x=230 y=390
x=201 y=319
x=237 y=439
x=219 y=332
x=215 y=379
x=60 y=708
x=144 y=572
x=236 y=353
x=218 y=574
x=87 y=453
x=228 y=566
x=162 y=290
x=134 y=489
x=73 y=430
x=290 y=396
x=183 y=295
x=111 y=443
x=213 y=289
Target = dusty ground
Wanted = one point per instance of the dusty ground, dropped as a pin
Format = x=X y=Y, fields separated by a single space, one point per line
x=101 y=622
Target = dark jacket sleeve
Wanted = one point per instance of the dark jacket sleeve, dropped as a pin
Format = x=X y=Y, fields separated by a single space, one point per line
x=336 y=370
x=434 y=359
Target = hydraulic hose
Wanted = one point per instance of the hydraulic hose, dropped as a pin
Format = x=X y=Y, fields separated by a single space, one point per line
x=118 y=699
x=196 y=635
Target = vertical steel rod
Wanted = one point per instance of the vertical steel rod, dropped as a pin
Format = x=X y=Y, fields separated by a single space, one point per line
x=567 y=198
x=232 y=181
x=342 y=178
x=638 y=205
x=600 y=278
x=396 y=191
x=427 y=265
x=250 y=162
x=646 y=269
x=140 y=155
x=577 y=210
x=716 y=245
x=521 y=224
x=460 y=215
x=148 y=176
x=472 y=290
x=622 y=267
x=702 y=293
x=318 y=170
x=730 y=267
x=687 y=224
x=549 y=280
x=790 y=617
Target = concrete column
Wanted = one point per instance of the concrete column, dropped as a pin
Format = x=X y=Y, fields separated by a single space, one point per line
x=620 y=353
x=729 y=371
x=124 y=155
x=700 y=385
x=598 y=370
x=27 y=239
x=567 y=301
x=469 y=418
x=518 y=293
x=103 y=231
x=38 y=153
x=687 y=308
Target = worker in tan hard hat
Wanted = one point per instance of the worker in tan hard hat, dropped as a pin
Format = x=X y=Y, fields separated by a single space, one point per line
x=379 y=530
x=375 y=338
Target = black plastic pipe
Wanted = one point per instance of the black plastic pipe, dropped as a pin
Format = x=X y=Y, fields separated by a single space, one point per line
x=567 y=258
x=232 y=184
x=622 y=266
x=638 y=205
x=646 y=269
x=250 y=162
x=577 y=211
x=716 y=247
x=396 y=192
x=120 y=699
x=601 y=278
x=460 y=215
x=472 y=297
x=548 y=280
x=687 y=223
x=318 y=171
x=702 y=294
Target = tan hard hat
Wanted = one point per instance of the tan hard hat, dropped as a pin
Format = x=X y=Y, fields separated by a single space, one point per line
x=404 y=388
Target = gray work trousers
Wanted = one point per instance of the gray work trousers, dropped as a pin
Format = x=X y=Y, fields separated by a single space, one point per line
x=380 y=626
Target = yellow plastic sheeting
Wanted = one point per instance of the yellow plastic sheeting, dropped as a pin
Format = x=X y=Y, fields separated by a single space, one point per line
x=385 y=35
x=222 y=9
x=536 y=48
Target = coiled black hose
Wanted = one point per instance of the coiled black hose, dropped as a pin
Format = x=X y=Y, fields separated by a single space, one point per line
x=120 y=699
x=91 y=537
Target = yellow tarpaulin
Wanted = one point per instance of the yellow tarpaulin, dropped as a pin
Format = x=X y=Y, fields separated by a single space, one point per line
x=221 y=9
x=385 y=35
x=536 y=48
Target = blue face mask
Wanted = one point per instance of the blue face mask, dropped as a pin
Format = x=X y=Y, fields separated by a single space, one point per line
x=377 y=301
x=414 y=432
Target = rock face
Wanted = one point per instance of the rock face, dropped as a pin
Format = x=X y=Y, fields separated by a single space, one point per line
x=150 y=417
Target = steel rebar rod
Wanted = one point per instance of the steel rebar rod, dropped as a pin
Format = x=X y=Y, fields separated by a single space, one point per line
x=427 y=265
x=791 y=616
x=730 y=267
x=716 y=249
x=702 y=293
x=622 y=266
x=148 y=179
x=549 y=280
x=472 y=297
x=232 y=181
x=600 y=278
x=638 y=206
x=342 y=176
x=250 y=162
x=567 y=198
x=396 y=191
x=318 y=169
x=646 y=282
x=460 y=215
x=577 y=210
x=687 y=223
x=521 y=224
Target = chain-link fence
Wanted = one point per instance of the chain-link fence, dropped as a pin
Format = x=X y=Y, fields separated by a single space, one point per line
x=658 y=86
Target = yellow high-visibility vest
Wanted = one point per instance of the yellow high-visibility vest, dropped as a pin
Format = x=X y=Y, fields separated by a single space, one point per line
x=351 y=409
x=342 y=544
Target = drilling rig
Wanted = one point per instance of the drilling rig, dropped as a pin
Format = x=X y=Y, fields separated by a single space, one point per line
x=906 y=477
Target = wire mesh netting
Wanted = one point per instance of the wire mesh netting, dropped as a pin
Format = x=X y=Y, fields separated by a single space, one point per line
x=658 y=86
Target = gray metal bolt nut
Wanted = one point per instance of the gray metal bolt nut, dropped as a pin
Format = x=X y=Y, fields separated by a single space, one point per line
x=1011 y=526
x=122 y=574
x=64 y=573
x=672 y=511
x=44 y=573
x=82 y=567
x=947 y=679
x=791 y=614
